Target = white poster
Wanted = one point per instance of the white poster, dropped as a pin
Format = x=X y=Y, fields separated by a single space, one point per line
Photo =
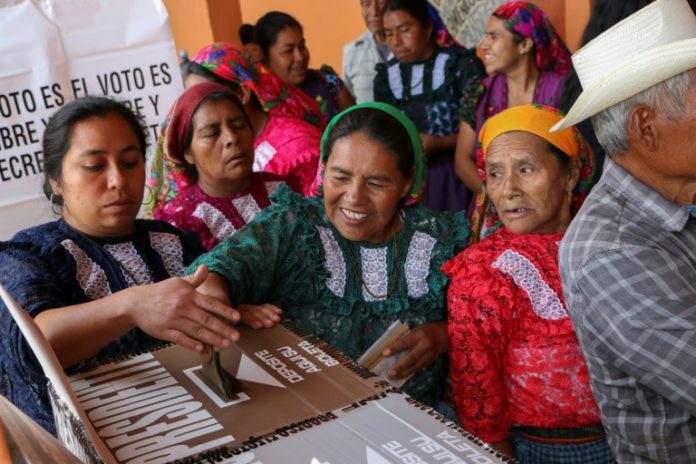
x=53 y=51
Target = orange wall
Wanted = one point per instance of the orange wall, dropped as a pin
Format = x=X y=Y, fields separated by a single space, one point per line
x=196 y=23
x=569 y=17
x=190 y=23
x=577 y=15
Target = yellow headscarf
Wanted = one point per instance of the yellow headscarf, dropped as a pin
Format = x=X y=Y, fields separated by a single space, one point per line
x=533 y=119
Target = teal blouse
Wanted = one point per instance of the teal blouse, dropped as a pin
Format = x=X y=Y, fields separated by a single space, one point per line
x=290 y=255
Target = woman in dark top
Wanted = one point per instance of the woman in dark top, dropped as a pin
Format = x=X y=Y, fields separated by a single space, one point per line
x=98 y=282
x=427 y=82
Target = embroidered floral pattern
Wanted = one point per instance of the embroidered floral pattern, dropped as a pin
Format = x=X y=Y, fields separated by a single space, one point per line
x=545 y=301
x=335 y=263
x=374 y=272
x=216 y=221
x=263 y=153
x=89 y=274
x=169 y=247
x=134 y=266
x=417 y=266
x=247 y=207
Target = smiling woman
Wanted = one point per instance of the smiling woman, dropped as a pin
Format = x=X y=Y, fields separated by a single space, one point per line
x=526 y=61
x=280 y=40
x=347 y=265
x=99 y=283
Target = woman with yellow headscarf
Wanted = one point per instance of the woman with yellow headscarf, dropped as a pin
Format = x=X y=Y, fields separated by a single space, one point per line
x=519 y=380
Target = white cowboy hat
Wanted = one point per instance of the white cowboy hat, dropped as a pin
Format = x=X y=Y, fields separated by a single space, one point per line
x=650 y=46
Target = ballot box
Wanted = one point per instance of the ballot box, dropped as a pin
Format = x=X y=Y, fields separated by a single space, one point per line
x=301 y=401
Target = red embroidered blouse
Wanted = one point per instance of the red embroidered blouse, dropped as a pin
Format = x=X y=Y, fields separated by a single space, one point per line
x=514 y=357
x=216 y=218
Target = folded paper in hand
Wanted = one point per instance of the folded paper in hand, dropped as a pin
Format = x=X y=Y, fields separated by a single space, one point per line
x=372 y=358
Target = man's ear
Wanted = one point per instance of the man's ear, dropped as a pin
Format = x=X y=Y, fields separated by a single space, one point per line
x=429 y=28
x=641 y=128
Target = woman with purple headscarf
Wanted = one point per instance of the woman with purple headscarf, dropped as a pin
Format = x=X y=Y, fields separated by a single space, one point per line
x=526 y=61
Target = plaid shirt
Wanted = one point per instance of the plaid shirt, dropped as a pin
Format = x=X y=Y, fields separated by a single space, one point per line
x=628 y=267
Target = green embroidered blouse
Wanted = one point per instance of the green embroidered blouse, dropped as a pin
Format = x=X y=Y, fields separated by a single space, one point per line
x=290 y=255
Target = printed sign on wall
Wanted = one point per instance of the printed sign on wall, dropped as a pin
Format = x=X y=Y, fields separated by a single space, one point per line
x=54 y=51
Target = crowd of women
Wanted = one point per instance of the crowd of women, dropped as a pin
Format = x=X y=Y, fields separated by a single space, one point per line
x=275 y=197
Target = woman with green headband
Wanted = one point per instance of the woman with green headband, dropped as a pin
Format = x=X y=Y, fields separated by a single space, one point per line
x=346 y=265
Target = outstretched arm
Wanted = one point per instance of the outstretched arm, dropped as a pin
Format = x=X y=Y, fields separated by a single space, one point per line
x=171 y=310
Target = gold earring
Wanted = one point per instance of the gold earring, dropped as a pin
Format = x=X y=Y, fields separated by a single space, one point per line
x=570 y=197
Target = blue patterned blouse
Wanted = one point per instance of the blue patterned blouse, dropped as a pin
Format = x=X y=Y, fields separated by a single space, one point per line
x=51 y=266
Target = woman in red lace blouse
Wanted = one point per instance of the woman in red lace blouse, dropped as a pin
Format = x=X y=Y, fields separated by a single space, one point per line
x=518 y=377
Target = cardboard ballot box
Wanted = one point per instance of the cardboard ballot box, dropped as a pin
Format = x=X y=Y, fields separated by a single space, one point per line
x=301 y=402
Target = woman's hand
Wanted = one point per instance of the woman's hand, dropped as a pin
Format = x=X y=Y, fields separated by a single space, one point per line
x=425 y=342
x=174 y=310
x=260 y=316
x=465 y=158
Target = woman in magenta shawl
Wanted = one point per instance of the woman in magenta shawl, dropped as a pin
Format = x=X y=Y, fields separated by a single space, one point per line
x=526 y=61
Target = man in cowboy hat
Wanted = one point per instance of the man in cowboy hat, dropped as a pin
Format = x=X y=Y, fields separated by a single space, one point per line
x=628 y=260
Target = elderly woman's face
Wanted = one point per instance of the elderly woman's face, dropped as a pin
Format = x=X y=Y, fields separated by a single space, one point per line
x=362 y=189
x=103 y=177
x=528 y=185
x=498 y=47
x=222 y=147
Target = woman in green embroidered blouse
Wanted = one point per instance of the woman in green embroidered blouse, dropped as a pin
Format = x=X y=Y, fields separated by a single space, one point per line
x=347 y=265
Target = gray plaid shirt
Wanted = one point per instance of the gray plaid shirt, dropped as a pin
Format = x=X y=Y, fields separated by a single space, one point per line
x=628 y=267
